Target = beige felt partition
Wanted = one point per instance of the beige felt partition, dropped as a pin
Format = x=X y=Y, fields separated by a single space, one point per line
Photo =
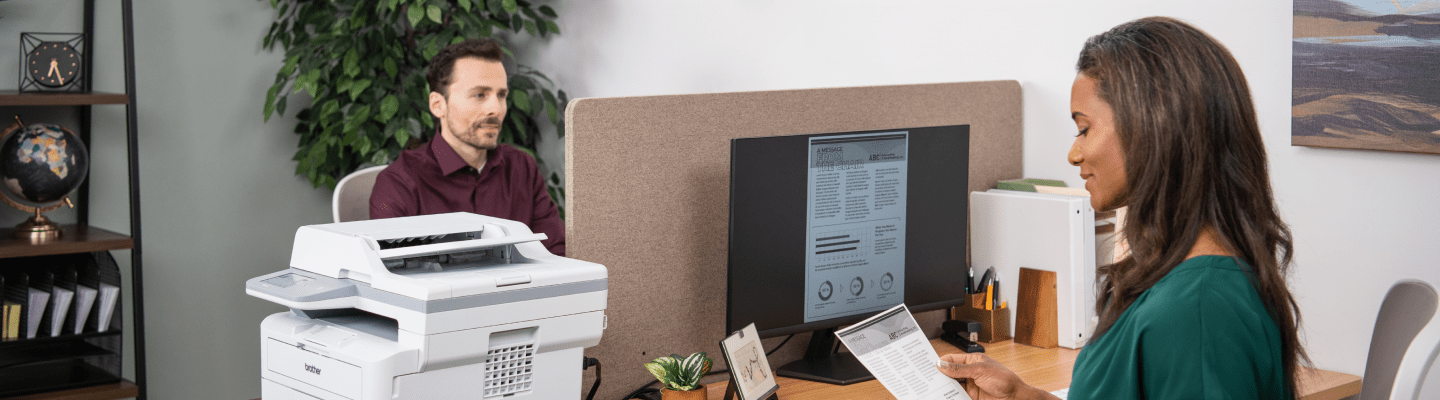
x=647 y=186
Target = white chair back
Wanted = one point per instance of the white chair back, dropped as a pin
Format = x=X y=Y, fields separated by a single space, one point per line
x=1404 y=343
x=352 y=195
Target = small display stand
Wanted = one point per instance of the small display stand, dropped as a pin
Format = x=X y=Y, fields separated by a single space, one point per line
x=750 y=375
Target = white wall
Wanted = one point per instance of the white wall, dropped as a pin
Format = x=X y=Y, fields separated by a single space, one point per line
x=1361 y=219
x=221 y=202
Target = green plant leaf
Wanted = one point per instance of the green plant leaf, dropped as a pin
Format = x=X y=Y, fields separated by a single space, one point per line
x=509 y=5
x=289 y=67
x=527 y=151
x=357 y=117
x=552 y=26
x=432 y=47
x=390 y=67
x=402 y=137
x=352 y=62
x=520 y=83
x=358 y=88
x=549 y=12
x=280 y=105
x=521 y=100
x=434 y=12
x=496 y=8
x=537 y=103
x=388 y=106
x=530 y=27
x=416 y=14
x=657 y=370
x=465 y=5
x=329 y=108
x=270 y=100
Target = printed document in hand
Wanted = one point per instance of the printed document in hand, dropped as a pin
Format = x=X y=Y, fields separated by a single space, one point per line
x=892 y=347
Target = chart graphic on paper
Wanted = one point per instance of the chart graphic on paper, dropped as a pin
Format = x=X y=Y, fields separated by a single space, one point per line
x=842 y=245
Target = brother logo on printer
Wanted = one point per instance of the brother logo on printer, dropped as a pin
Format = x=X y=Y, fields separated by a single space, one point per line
x=312 y=369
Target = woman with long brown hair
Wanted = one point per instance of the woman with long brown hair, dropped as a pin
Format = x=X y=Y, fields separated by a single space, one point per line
x=1200 y=307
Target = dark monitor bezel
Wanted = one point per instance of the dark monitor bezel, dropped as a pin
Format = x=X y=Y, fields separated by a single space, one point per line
x=961 y=201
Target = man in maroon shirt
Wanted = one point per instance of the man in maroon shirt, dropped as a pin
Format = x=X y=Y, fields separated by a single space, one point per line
x=463 y=168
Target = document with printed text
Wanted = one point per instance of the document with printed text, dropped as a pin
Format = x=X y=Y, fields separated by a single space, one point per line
x=893 y=348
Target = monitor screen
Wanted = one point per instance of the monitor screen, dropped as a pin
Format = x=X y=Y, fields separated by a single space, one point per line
x=829 y=229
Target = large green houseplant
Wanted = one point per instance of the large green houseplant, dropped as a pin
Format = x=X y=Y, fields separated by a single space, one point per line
x=361 y=66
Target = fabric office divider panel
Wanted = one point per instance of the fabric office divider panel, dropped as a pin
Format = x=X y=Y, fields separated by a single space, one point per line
x=647 y=195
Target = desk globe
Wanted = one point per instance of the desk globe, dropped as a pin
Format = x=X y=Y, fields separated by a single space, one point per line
x=40 y=165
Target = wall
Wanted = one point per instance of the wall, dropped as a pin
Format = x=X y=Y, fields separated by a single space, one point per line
x=221 y=202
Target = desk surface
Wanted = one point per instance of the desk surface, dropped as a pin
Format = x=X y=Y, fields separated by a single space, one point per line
x=1047 y=369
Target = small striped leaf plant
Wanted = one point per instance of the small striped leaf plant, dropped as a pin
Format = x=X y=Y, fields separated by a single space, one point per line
x=680 y=373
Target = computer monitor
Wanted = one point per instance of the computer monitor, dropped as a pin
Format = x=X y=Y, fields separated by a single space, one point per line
x=829 y=229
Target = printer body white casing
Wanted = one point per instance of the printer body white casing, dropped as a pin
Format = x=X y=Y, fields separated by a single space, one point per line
x=444 y=306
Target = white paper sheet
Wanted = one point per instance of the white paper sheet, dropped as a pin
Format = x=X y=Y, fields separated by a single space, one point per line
x=59 y=307
x=84 y=300
x=893 y=348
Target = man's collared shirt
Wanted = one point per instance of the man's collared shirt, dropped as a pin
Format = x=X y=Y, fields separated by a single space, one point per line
x=433 y=179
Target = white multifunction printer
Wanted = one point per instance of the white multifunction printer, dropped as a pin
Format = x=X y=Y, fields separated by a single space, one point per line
x=447 y=306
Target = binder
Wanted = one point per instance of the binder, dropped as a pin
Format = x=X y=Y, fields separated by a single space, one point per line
x=17 y=290
x=100 y=272
x=42 y=286
x=1010 y=230
x=61 y=298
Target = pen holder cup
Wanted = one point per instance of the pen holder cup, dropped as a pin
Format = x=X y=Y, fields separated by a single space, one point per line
x=994 y=324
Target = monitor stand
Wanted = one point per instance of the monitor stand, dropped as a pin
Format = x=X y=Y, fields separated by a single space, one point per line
x=823 y=364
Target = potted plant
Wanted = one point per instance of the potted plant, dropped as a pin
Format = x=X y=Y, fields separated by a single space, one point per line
x=681 y=376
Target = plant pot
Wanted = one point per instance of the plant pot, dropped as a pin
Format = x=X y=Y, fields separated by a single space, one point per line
x=697 y=394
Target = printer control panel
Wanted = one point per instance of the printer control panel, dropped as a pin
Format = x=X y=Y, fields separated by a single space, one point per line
x=300 y=286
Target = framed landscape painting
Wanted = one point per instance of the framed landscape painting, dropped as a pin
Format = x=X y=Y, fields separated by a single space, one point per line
x=1366 y=75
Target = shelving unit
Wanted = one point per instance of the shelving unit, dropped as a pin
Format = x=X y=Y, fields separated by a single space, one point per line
x=54 y=366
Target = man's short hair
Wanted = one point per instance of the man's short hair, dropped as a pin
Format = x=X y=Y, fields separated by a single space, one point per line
x=442 y=66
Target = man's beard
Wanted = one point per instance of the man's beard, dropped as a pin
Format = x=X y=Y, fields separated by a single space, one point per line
x=473 y=138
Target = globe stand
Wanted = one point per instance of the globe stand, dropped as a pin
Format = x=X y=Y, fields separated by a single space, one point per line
x=37 y=229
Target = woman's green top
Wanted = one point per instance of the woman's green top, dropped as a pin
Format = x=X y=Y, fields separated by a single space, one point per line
x=1200 y=333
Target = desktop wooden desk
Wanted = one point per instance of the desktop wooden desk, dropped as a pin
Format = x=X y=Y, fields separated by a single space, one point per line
x=1047 y=369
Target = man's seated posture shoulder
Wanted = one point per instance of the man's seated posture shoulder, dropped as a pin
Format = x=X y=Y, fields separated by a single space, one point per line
x=463 y=168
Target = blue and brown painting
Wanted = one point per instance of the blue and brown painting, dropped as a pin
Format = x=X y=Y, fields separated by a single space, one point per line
x=1365 y=75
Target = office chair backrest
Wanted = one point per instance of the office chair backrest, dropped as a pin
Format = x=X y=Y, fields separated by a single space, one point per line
x=1404 y=343
x=352 y=195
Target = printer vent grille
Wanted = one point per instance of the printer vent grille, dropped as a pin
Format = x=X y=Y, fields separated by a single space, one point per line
x=507 y=369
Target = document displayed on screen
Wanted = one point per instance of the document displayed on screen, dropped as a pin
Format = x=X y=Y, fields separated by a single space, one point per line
x=855 y=226
x=892 y=347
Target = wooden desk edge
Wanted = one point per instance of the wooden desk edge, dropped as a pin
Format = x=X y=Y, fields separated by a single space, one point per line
x=1315 y=384
x=1319 y=384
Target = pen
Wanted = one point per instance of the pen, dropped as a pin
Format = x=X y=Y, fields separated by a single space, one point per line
x=995 y=300
x=970 y=280
x=990 y=296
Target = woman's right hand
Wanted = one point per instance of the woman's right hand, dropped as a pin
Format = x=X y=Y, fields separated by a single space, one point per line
x=986 y=379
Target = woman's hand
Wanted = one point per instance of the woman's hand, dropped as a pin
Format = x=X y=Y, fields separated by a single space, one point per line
x=986 y=379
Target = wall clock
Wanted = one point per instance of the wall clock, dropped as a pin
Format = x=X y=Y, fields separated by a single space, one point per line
x=52 y=62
